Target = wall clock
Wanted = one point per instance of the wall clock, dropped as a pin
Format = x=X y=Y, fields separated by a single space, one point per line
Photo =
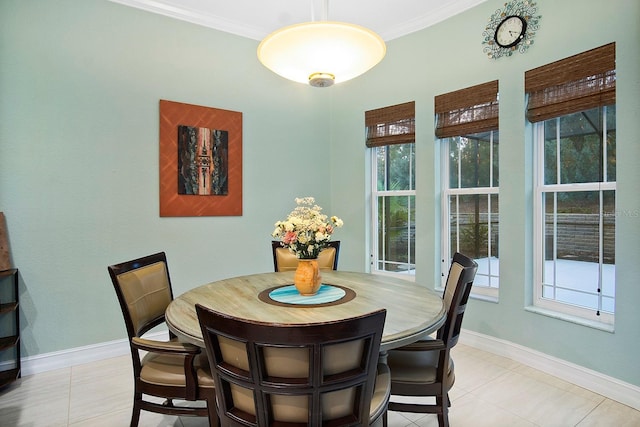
x=511 y=29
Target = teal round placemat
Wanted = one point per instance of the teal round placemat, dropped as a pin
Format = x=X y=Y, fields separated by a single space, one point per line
x=290 y=295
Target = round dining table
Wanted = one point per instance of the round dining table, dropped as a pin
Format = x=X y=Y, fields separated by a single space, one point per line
x=413 y=311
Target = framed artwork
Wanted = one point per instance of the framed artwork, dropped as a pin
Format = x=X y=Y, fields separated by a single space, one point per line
x=200 y=160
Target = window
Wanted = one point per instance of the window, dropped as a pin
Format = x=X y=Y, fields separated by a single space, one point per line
x=391 y=137
x=467 y=125
x=575 y=184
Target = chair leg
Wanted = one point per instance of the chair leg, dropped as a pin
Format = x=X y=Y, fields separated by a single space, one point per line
x=214 y=420
x=443 y=414
x=135 y=413
x=443 y=420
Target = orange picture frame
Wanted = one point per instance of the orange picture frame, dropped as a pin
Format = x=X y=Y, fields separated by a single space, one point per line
x=173 y=204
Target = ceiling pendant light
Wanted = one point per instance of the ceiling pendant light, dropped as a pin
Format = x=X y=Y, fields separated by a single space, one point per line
x=321 y=53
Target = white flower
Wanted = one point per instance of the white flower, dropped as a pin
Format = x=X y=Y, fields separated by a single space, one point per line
x=306 y=225
x=337 y=221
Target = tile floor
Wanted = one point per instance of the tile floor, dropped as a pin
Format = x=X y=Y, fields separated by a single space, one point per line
x=489 y=391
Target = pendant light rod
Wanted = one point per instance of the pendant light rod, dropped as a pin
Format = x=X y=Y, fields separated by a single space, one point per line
x=324 y=14
x=325 y=10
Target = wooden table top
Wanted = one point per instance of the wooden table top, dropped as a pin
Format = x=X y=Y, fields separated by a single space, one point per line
x=412 y=310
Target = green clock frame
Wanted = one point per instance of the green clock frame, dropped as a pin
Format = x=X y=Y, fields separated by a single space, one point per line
x=524 y=10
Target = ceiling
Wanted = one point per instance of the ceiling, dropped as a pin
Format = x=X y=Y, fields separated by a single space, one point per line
x=255 y=19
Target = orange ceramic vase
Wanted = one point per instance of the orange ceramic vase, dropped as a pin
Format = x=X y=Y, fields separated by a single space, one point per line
x=307 y=277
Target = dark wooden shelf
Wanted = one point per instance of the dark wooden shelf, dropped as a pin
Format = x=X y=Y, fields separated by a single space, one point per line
x=8 y=307
x=7 y=273
x=9 y=376
x=8 y=342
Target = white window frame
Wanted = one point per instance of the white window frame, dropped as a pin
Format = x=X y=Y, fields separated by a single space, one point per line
x=483 y=292
x=580 y=314
x=408 y=274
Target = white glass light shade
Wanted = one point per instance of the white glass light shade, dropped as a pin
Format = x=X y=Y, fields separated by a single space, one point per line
x=335 y=51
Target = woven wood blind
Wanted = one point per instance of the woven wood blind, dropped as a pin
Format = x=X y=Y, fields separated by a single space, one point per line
x=391 y=125
x=573 y=84
x=466 y=111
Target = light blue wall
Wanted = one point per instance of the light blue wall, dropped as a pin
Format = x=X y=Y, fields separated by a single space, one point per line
x=449 y=56
x=80 y=83
x=79 y=90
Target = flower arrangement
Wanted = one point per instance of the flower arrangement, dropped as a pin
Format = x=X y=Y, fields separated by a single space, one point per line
x=306 y=231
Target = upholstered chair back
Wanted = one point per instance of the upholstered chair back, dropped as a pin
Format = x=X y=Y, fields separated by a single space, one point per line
x=462 y=272
x=284 y=260
x=304 y=375
x=145 y=293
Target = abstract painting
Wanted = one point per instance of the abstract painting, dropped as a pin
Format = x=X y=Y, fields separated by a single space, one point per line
x=202 y=161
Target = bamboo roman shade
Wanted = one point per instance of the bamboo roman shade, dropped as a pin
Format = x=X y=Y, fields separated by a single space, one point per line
x=573 y=84
x=391 y=125
x=467 y=111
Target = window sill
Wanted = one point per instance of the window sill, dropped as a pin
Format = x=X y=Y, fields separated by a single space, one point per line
x=572 y=319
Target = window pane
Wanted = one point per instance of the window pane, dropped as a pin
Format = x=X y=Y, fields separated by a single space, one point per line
x=609 y=252
x=454 y=159
x=576 y=283
x=609 y=227
x=381 y=168
x=577 y=223
x=494 y=225
x=396 y=167
x=496 y=169
x=549 y=229
x=576 y=236
x=472 y=221
x=469 y=224
x=470 y=157
x=580 y=141
x=550 y=152
x=580 y=156
x=611 y=143
x=488 y=266
x=396 y=233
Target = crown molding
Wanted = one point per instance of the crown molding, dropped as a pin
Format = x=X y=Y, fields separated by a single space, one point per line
x=446 y=10
x=196 y=17
x=173 y=9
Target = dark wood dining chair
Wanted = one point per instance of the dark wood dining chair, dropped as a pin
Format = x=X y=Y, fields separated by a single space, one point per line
x=425 y=368
x=169 y=370
x=320 y=374
x=284 y=260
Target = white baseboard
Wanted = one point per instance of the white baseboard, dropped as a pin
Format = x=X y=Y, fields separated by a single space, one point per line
x=612 y=388
x=80 y=355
